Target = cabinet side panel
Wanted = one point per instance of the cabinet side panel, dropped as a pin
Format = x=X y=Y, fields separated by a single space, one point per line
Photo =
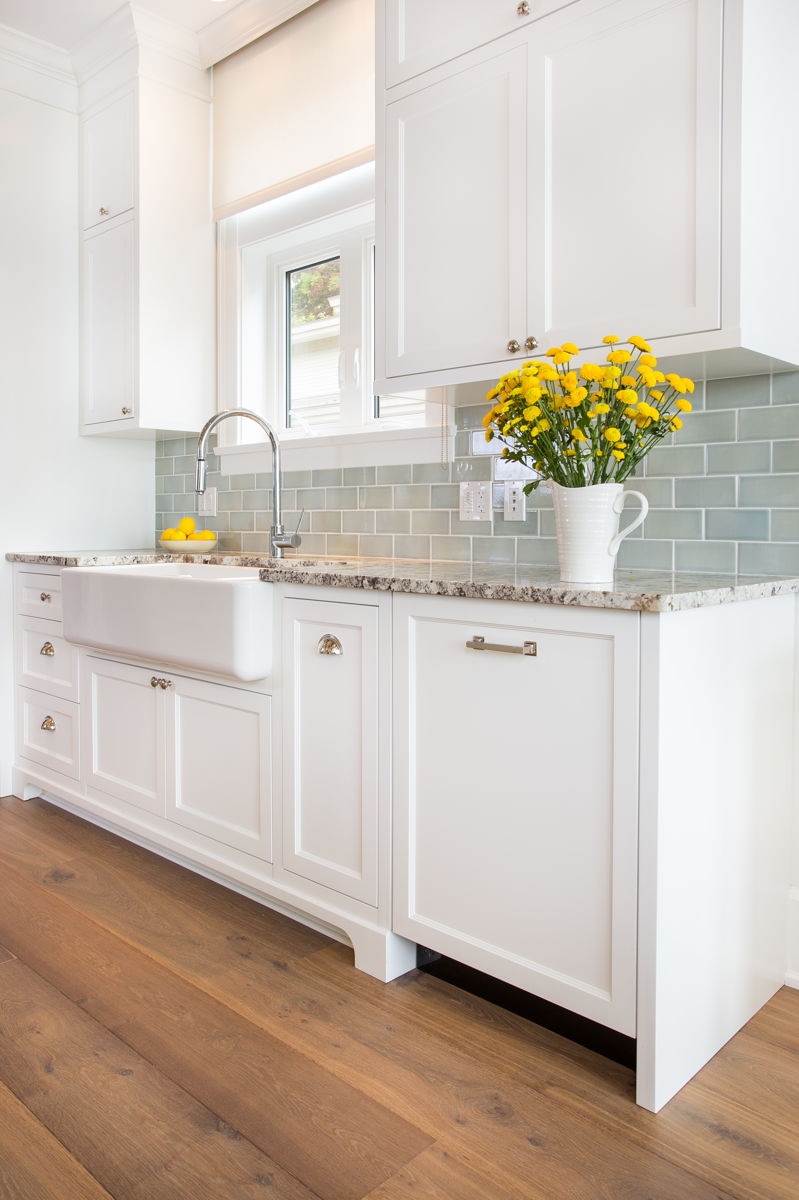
x=715 y=819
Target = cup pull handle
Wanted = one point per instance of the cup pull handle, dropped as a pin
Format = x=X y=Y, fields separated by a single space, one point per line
x=48 y=724
x=329 y=644
x=48 y=650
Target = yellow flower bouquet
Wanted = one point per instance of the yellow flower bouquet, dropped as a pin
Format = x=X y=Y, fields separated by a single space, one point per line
x=588 y=425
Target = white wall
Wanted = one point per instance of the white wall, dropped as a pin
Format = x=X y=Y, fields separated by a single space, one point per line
x=57 y=489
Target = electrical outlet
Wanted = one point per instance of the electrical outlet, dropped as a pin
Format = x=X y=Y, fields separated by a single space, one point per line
x=206 y=503
x=515 y=506
x=475 y=501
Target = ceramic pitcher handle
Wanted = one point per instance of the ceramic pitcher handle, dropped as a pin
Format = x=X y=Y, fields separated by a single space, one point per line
x=618 y=506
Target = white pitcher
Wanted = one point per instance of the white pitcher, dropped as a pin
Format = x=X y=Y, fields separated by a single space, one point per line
x=587 y=526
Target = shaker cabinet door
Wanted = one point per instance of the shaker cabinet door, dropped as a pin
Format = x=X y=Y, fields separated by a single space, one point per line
x=515 y=793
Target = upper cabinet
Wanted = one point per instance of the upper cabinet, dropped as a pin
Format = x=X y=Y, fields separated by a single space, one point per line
x=420 y=35
x=148 y=326
x=108 y=161
x=588 y=168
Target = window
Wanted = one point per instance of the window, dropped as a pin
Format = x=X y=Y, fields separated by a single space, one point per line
x=297 y=317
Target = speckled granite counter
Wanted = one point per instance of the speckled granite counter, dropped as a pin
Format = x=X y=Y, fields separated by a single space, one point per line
x=642 y=591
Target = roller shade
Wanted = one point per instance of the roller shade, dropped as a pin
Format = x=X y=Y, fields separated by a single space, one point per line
x=295 y=106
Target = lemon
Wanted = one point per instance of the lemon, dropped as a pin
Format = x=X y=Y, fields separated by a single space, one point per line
x=168 y=535
x=194 y=537
x=178 y=536
x=207 y=535
x=186 y=525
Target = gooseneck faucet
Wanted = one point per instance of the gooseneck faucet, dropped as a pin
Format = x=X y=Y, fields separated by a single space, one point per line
x=279 y=540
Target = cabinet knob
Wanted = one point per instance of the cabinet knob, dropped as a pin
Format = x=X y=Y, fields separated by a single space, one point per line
x=48 y=724
x=45 y=597
x=159 y=681
x=154 y=681
x=103 y=212
x=329 y=644
x=523 y=9
x=126 y=411
x=513 y=346
x=531 y=343
x=48 y=650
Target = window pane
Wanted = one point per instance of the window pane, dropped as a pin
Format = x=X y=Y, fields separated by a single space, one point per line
x=313 y=341
x=400 y=405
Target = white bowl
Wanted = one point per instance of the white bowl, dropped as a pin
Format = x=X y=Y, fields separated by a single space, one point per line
x=193 y=546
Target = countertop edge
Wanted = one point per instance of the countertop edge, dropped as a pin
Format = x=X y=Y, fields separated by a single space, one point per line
x=636 y=591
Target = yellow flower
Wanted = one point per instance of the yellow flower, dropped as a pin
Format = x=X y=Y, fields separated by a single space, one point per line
x=532 y=412
x=627 y=395
x=602 y=408
x=505 y=452
x=618 y=455
x=570 y=348
x=648 y=360
x=570 y=451
x=489 y=435
x=639 y=344
x=609 y=339
x=655 y=395
x=676 y=424
x=629 y=381
x=612 y=434
x=547 y=373
x=569 y=381
x=683 y=405
x=578 y=434
x=590 y=372
x=560 y=357
x=552 y=351
x=619 y=356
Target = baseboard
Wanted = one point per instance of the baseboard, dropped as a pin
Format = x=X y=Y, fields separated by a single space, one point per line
x=792 y=958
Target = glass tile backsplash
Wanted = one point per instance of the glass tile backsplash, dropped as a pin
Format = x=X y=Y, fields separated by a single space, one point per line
x=723 y=495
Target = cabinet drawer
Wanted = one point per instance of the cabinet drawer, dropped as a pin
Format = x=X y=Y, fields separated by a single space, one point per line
x=47 y=731
x=38 y=594
x=46 y=661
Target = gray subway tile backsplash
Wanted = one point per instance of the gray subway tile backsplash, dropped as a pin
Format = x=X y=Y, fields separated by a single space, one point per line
x=723 y=495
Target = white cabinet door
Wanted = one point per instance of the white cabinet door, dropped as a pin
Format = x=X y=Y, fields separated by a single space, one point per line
x=108 y=178
x=219 y=766
x=515 y=796
x=123 y=730
x=456 y=199
x=331 y=767
x=533 y=196
x=108 y=289
x=420 y=34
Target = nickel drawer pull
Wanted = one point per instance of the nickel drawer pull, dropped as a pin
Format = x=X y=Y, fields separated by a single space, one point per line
x=47 y=650
x=48 y=724
x=479 y=643
x=329 y=644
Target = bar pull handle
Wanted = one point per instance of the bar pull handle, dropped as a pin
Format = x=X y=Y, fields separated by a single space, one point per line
x=530 y=649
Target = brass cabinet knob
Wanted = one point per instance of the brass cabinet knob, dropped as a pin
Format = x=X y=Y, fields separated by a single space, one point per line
x=329 y=644
x=48 y=724
x=523 y=9
x=48 y=650
x=513 y=346
x=126 y=411
x=531 y=343
x=103 y=211
x=45 y=597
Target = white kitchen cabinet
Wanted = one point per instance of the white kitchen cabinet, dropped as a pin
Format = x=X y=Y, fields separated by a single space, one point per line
x=420 y=35
x=148 y=256
x=516 y=799
x=108 y=161
x=46 y=673
x=195 y=752
x=594 y=171
x=334 y=753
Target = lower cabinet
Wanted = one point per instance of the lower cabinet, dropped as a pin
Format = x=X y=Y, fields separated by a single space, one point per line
x=516 y=795
x=187 y=749
x=334 y=781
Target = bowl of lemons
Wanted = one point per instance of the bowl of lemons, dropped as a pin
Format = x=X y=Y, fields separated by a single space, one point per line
x=186 y=538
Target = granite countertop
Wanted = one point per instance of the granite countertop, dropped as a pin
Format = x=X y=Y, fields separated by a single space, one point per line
x=641 y=591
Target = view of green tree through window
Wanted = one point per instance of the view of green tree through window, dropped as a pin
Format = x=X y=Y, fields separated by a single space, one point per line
x=313 y=337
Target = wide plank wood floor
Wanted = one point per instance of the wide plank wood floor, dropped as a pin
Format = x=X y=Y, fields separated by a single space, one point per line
x=163 y=1038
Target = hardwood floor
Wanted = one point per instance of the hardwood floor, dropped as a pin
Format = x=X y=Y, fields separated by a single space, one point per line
x=163 y=1038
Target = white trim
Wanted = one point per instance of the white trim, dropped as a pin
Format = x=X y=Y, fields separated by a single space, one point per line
x=36 y=70
x=388 y=447
x=242 y=24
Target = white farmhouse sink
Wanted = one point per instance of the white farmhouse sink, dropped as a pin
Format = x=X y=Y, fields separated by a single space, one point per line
x=206 y=617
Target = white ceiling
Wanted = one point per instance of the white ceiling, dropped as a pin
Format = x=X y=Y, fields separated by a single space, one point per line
x=65 y=23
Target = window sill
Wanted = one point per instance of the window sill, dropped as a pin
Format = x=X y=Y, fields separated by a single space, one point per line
x=388 y=447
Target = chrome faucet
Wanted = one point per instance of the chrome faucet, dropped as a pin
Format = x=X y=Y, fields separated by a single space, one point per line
x=279 y=540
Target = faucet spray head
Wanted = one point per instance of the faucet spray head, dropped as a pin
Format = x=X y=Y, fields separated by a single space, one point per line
x=199 y=475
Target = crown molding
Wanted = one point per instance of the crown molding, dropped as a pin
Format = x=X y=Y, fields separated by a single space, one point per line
x=242 y=24
x=135 y=29
x=36 y=70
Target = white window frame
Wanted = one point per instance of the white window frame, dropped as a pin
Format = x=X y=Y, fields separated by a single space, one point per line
x=255 y=248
